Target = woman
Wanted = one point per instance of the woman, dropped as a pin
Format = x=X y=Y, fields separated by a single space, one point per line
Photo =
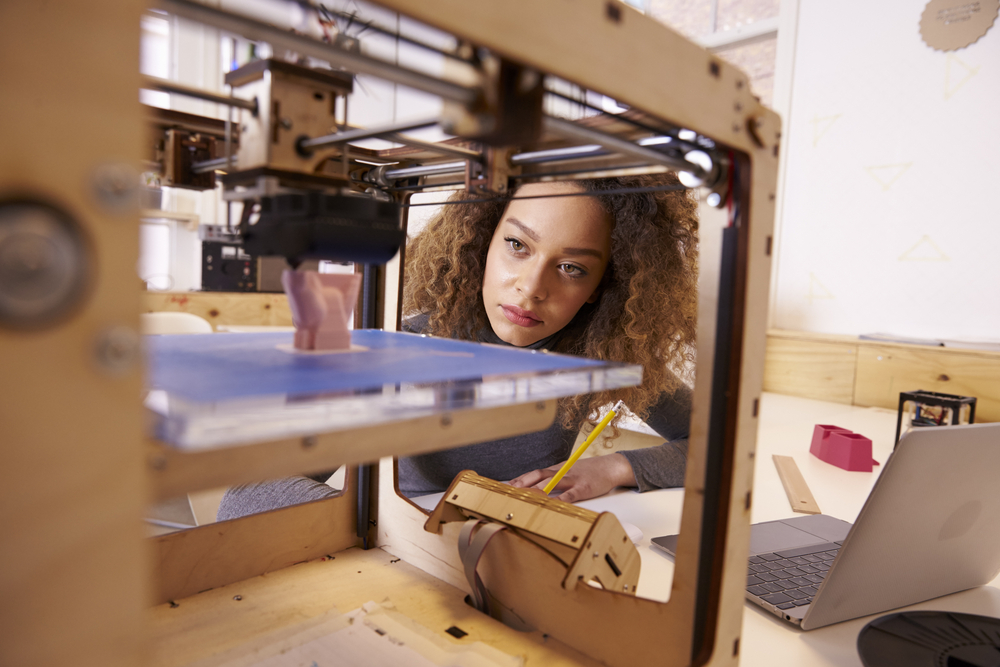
x=590 y=268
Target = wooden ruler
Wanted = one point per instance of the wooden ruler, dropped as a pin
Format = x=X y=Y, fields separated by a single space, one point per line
x=799 y=495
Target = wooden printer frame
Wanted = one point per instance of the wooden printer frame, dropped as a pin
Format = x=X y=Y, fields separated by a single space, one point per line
x=78 y=576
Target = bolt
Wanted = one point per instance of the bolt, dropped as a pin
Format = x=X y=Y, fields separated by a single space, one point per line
x=237 y=597
x=713 y=199
x=309 y=441
x=540 y=405
x=597 y=555
x=286 y=123
x=510 y=516
x=445 y=420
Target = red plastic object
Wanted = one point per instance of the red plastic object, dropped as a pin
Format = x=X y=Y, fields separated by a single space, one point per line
x=842 y=448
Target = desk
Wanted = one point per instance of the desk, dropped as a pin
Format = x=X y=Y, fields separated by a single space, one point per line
x=786 y=426
x=209 y=621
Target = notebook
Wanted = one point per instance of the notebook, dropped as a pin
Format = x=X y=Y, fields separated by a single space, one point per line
x=930 y=527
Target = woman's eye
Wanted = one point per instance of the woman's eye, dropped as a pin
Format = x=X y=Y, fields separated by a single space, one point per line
x=514 y=244
x=573 y=270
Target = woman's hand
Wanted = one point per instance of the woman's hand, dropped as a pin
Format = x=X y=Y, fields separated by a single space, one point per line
x=589 y=478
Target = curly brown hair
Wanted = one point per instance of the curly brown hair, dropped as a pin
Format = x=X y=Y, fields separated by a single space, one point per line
x=647 y=310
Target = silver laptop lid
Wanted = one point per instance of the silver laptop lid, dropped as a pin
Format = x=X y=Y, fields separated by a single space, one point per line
x=930 y=527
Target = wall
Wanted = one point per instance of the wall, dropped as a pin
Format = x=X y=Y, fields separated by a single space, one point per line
x=887 y=221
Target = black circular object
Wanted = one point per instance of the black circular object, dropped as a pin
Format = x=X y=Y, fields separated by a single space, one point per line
x=930 y=639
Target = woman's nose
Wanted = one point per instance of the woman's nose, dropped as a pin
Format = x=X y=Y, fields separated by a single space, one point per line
x=531 y=282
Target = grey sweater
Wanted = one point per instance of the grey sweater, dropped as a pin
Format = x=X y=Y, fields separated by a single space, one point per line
x=654 y=467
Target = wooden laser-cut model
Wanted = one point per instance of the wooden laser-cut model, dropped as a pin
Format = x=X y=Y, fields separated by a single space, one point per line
x=592 y=546
x=508 y=60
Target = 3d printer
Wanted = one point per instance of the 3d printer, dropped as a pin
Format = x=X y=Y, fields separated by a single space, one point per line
x=307 y=192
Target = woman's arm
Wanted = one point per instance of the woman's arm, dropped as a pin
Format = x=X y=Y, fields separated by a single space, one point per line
x=650 y=468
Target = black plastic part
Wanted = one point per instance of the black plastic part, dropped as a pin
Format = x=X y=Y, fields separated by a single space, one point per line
x=722 y=403
x=300 y=146
x=312 y=225
x=364 y=508
x=930 y=639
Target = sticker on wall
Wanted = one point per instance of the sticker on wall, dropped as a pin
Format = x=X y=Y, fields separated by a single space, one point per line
x=947 y=25
x=817 y=290
x=887 y=174
x=956 y=73
x=924 y=250
x=821 y=126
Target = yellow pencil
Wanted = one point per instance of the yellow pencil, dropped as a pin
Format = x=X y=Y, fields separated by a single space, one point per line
x=586 y=443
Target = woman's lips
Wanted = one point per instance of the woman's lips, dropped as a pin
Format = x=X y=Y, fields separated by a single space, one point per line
x=520 y=317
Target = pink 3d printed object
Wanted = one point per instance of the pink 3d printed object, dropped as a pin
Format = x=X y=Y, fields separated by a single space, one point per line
x=842 y=448
x=321 y=305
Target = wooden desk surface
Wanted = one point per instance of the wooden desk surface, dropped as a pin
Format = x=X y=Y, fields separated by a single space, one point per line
x=301 y=594
x=786 y=427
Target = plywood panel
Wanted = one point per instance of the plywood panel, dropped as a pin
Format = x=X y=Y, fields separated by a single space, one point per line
x=886 y=370
x=198 y=559
x=175 y=472
x=246 y=308
x=819 y=369
x=73 y=575
x=233 y=617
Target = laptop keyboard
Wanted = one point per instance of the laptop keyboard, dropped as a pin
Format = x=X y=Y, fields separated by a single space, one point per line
x=790 y=578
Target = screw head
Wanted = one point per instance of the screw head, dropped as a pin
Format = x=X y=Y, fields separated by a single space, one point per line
x=117 y=187
x=116 y=350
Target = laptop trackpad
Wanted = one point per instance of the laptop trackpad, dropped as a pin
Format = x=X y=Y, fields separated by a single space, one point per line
x=797 y=532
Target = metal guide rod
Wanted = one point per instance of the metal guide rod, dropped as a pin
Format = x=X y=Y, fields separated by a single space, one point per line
x=362 y=133
x=443 y=149
x=374 y=27
x=428 y=170
x=556 y=154
x=283 y=39
x=154 y=83
x=588 y=151
x=617 y=145
x=209 y=165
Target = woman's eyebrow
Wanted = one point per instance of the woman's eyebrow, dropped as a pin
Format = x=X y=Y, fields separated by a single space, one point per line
x=533 y=235
x=527 y=231
x=584 y=251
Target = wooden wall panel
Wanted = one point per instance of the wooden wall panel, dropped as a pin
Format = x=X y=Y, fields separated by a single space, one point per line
x=886 y=370
x=219 y=308
x=845 y=369
x=823 y=370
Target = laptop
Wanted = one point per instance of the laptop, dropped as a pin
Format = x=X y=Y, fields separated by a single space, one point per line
x=930 y=527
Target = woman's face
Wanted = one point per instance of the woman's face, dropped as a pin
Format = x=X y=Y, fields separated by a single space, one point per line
x=545 y=261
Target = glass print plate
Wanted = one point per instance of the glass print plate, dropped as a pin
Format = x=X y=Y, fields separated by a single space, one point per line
x=222 y=390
